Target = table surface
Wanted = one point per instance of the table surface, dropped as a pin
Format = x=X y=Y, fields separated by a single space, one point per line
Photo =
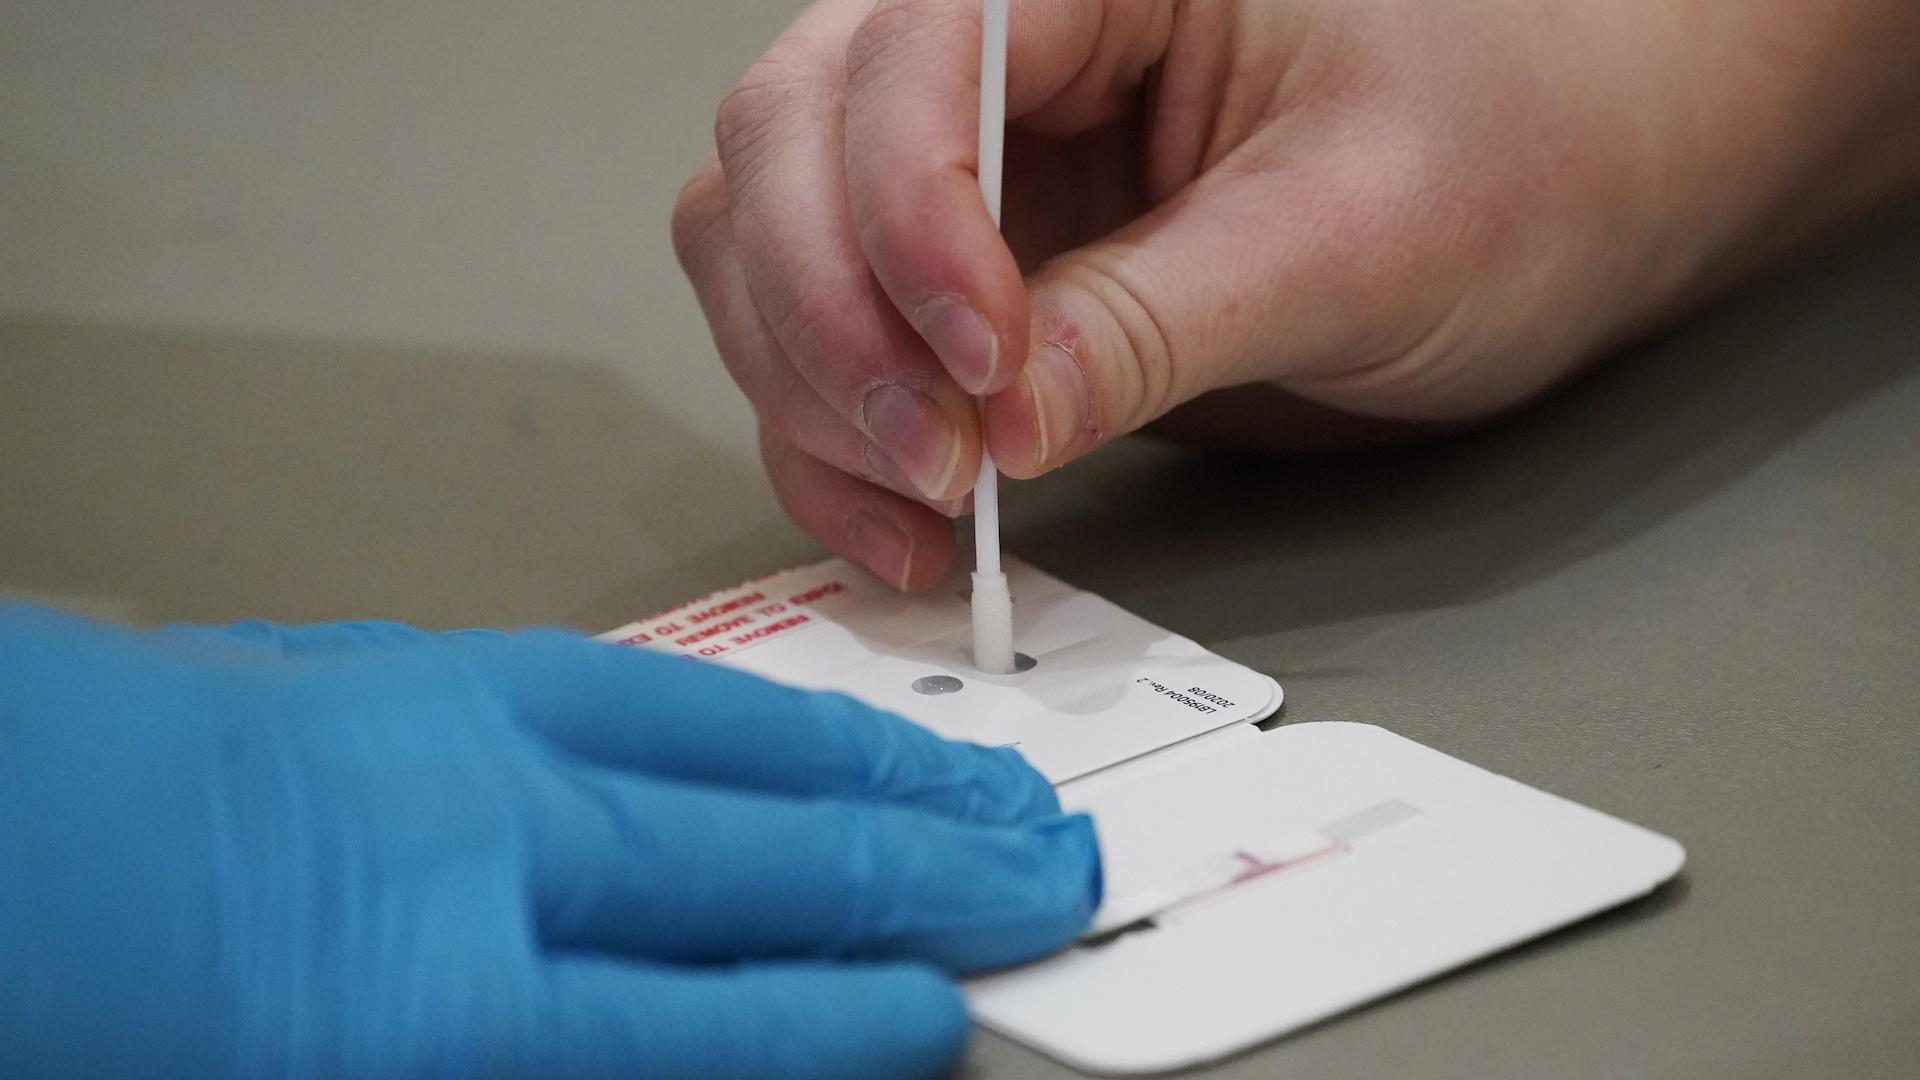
x=1686 y=590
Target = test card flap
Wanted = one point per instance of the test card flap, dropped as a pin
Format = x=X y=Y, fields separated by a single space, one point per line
x=1267 y=882
x=1102 y=685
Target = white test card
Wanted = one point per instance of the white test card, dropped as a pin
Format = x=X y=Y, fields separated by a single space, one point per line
x=1261 y=882
x=1104 y=685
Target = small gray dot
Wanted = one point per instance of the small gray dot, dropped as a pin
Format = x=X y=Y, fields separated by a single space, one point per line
x=1023 y=662
x=936 y=685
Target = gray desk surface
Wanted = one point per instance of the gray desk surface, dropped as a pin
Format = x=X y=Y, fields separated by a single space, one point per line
x=1686 y=590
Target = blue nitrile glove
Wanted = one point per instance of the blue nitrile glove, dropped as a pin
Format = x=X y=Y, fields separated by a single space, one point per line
x=365 y=850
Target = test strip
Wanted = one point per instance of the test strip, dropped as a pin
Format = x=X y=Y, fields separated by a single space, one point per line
x=1371 y=820
x=1291 y=850
x=1211 y=877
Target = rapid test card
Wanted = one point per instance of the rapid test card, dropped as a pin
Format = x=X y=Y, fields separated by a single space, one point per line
x=1257 y=882
x=1097 y=686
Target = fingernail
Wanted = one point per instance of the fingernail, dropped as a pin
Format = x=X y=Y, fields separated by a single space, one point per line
x=916 y=434
x=961 y=338
x=879 y=469
x=1059 y=392
x=882 y=547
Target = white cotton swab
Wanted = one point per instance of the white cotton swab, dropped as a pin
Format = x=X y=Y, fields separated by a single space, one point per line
x=992 y=603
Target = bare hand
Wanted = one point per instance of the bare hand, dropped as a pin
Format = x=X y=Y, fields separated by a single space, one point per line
x=1410 y=211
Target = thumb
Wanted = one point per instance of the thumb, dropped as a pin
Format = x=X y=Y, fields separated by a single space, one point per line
x=1240 y=277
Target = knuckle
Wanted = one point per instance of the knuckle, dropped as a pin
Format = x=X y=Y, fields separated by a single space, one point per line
x=699 y=209
x=747 y=375
x=793 y=428
x=774 y=89
x=777 y=456
x=1146 y=373
x=743 y=123
x=822 y=324
x=816 y=435
x=896 y=44
x=889 y=32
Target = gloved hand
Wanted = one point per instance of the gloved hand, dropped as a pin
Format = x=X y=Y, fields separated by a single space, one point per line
x=366 y=850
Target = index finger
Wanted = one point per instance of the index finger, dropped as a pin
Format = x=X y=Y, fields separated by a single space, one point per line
x=779 y=138
x=671 y=871
x=912 y=149
x=642 y=711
